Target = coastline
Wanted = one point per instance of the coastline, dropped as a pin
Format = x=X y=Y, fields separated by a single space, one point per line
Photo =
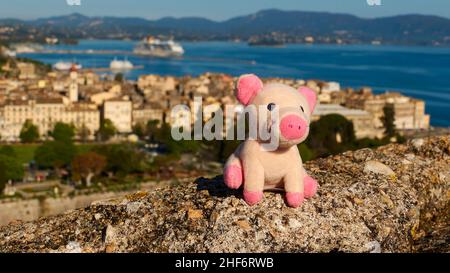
x=382 y=67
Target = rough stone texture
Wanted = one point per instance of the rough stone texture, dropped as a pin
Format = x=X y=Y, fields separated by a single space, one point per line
x=354 y=211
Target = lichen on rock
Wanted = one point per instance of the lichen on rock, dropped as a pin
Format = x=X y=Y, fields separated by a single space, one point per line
x=356 y=210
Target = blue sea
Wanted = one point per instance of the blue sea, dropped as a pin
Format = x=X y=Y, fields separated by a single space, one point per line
x=421 y=72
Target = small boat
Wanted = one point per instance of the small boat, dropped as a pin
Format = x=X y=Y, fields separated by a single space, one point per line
x=121 y=65
x=66 y=66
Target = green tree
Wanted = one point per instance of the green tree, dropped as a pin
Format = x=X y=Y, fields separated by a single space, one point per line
x=55 y=154
x=84 y=133
x=331 y=134
x=63 y=132
x=3 y=179
x=10 y=169
x=139 y=130
x=3 y=61
x=119 y=77
x=122 y=159
x=389 y=121
x=151 y=129
x=29 y=132
x=305 y=152
x=107 y=130
x=222 y=149
x=164 y=135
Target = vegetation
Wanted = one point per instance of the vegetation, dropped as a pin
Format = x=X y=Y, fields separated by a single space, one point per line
x=116 y=163
x=151 y=129
x=334 y=134
x=8 y=151
x=163 y=135
x=10 y=167
x=3 y=178
x=107 y=130
x=119 y=77
x=389 y=121
x=83 y=133
x=220 y=150
x=60 y=152
x=25 y=152
x=63 y=132
x=3 y=61
x=29 y=132
x=55 y=154
x=139 y=130
x=331 y=134
x=86 y=166
x=122 y=159
x=306 y=153
x=41 y=68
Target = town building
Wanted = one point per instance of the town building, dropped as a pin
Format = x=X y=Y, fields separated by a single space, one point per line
x=45 y=113
x=73 y=86
x=119 y=111
x=83 y=99
x=409 y=113
x=26 y=71
x=152 y=111
x=362 y=120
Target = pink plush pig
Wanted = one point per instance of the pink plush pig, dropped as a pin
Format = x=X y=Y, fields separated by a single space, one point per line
x=258 y=169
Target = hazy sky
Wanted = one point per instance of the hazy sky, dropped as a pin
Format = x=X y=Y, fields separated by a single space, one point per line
x=215 y=9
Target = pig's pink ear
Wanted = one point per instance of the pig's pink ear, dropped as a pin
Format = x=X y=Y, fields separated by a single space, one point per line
x=247 y=87
x=310 y=96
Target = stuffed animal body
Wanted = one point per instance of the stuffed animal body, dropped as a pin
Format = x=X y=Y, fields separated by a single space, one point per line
x=258 y=169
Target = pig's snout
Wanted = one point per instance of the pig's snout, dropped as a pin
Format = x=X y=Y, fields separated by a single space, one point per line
x=293 y=127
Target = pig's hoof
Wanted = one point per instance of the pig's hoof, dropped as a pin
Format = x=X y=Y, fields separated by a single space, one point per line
x=294 y=199
x=311 y=186
x=252 y=197
x=233 y=177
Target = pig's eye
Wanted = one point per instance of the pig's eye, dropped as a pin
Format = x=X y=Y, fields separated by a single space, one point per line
x=271 y=106
x=303 y=110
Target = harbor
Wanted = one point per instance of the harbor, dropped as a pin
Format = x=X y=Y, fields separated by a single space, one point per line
x=329 y=62
x=83 y=52
x=109 y=69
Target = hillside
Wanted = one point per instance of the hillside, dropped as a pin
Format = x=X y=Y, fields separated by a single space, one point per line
x=361 y=207
x=293 y=26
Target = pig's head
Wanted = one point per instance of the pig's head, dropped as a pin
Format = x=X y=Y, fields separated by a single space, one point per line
x=294 y=106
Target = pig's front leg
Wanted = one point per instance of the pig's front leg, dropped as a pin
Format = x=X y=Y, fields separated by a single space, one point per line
x=294 y=186
x=253 y=181
x=311 y=185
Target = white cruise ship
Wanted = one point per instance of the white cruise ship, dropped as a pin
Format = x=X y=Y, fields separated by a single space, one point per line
x=151 y=46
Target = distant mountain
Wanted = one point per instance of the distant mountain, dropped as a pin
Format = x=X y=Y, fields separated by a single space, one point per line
x=291 y=26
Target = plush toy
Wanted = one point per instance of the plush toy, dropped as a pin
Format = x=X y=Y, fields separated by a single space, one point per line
x=258 y=169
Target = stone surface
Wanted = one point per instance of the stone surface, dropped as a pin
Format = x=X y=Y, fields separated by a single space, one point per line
x=354 y=211
x=376 y=167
